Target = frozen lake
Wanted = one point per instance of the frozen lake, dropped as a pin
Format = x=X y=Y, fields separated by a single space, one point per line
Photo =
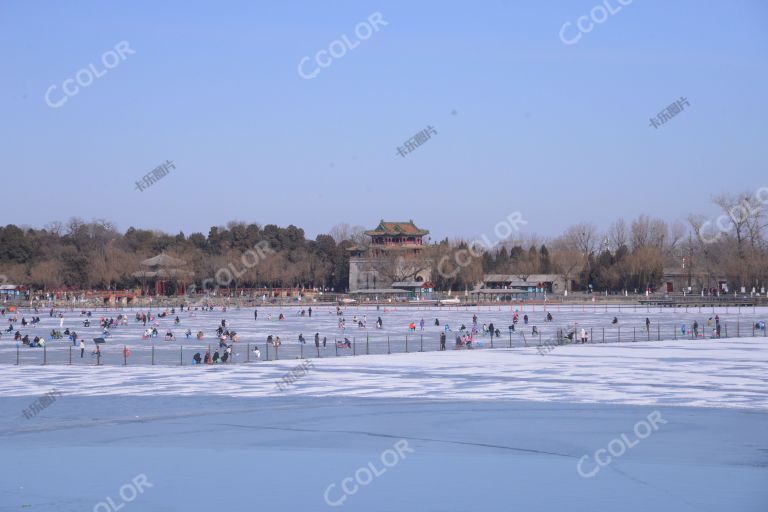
x=484 y=430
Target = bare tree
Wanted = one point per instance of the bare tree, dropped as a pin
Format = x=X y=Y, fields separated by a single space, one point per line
x=617 y=234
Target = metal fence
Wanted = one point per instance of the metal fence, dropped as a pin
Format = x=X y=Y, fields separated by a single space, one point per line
x=175 y=354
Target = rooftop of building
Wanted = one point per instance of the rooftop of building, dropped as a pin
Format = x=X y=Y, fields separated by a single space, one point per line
x=390 y=228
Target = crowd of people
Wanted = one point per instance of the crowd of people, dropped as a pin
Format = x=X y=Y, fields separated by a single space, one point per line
x=164 y=322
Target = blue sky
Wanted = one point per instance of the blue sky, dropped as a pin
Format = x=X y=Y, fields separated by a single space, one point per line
x=557 y=132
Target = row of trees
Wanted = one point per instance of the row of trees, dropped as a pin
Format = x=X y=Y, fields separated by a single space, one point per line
x=94 y=255
x=627 y=256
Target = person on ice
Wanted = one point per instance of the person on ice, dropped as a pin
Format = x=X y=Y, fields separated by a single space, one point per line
x=442 y=341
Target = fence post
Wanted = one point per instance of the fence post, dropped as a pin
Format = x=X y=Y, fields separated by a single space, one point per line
x=181 y=355
x=354 y=346
x=603 y=334
x=125 y=355
x=634 y=333
x=510 y=339
x=153 y=355
x=388 y=351
x=421 y=343
x=738 y=332
x=70 y=354
x=248 y=353
x=45 y=355
x=406 y=343
x=366 y=344
x=619 y=334
x=658 y=332
x=336 y=345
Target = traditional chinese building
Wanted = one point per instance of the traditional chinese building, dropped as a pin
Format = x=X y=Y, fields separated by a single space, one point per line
x=395 y=254
x=164 y=274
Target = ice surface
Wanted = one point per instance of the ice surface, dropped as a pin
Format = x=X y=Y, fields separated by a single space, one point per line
x=500 y=429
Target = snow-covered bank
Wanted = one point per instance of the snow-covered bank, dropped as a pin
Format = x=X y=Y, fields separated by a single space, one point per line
x=704 y=373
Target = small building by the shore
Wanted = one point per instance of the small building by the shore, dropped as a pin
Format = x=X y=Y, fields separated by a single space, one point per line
x=523 y=283
x=163 y=274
